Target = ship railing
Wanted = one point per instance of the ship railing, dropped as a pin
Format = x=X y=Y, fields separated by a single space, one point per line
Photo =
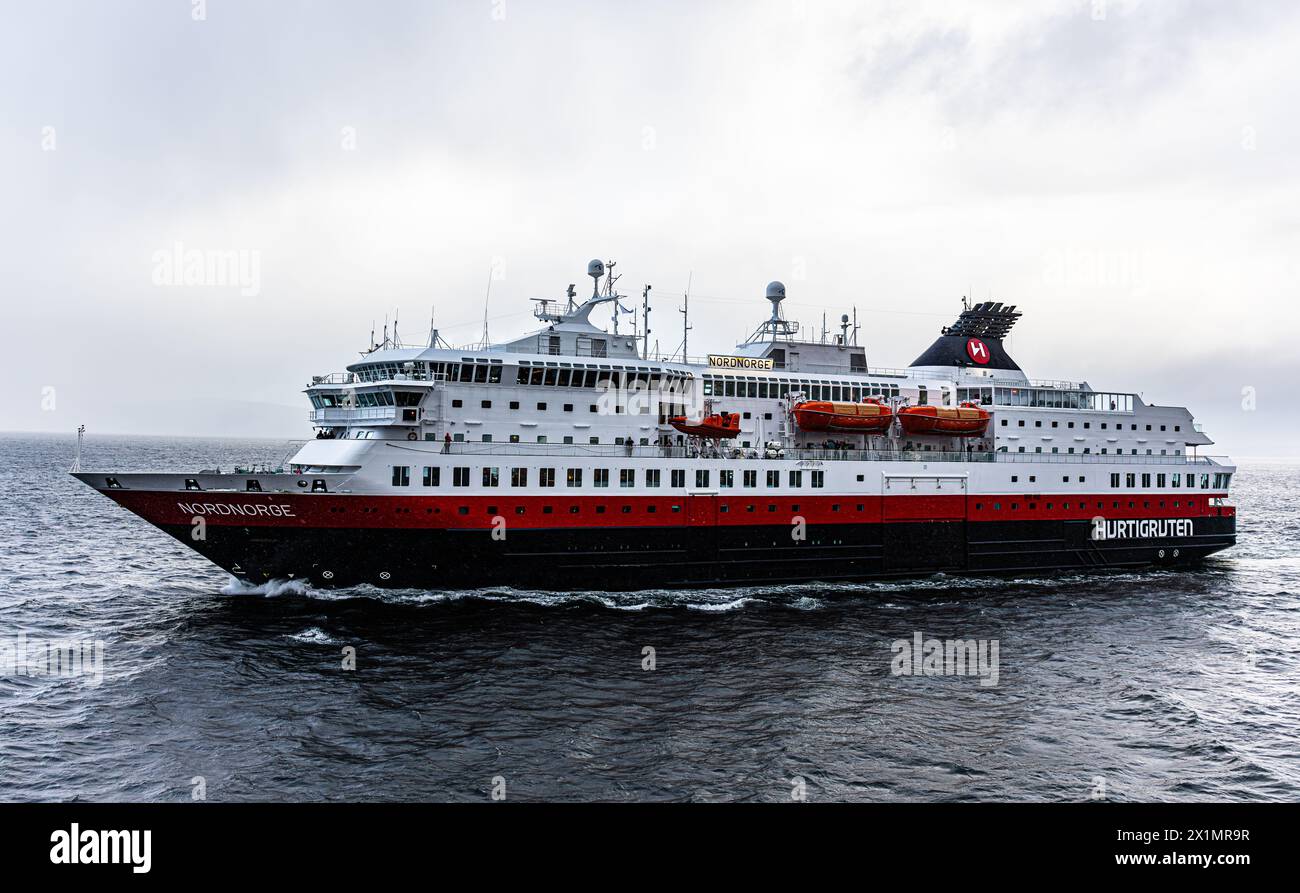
x=355 y=413
x=353 y=378
x=680 y=451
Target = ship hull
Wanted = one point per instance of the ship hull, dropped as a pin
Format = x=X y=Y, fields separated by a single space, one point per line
x=406 y=542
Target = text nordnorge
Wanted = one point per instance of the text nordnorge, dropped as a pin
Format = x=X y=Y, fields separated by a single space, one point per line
x=231 y=508
x=721 y=362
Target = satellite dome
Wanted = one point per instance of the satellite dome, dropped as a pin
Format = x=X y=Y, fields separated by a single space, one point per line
x=596 y=269
x=776 y=291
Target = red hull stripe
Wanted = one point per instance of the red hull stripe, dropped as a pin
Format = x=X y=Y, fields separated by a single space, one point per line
x=561 y=512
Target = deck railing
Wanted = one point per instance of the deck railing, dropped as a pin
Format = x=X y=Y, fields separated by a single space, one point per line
x=616 y=451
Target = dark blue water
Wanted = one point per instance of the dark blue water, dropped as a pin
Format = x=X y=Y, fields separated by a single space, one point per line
x=1153 y=686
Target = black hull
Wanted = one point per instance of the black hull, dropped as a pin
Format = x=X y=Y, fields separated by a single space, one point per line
x=631 y=558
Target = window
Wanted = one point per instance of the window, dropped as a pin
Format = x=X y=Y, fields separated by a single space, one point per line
x=1130 y=480
x=1114 y=479
x=600 y=477
x=726 y=478
x=514 y=404
x=401 y=475
x=546 y=477
x=678 y=477
x=701 y=478
x=486 y=404
x=432 y=474
x=627 y=477
x=574 y=477
x=1146 y=481
x=519 y=477
x=774 y=478
x=652 y=477
x=818 y=479
x=541 y=407
x=491 y=477
x=460 y=477
x=751 y=478
x=796 y=479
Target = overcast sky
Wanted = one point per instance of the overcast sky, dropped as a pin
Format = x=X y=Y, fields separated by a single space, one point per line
x=1126 y=173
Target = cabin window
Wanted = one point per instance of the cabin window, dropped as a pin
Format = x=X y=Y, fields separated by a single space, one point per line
x=519 y=477
x=432 y=474
x=573 y=478
x=401 y=475
x=818 y=479
x=460 y=476
x=253 y=486
x=318 y=485
x=627 y=477
x=600 y=477
x=726 y=478
x=192 y=484
x=701 y=478
x=546 y=477
x=751 y=478
x=796 y=479
x=678 y=478
x=773 y=478
x=652 y=477
x=491 y=477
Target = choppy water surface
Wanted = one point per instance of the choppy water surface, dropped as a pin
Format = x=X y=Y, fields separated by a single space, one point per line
x=1159 y=685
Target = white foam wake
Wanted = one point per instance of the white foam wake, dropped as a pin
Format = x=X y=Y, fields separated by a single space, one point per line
x=271 y=588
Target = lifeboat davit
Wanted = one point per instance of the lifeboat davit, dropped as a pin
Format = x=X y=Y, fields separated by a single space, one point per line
x=966 y=420
x=868 y=417
x=717 y=426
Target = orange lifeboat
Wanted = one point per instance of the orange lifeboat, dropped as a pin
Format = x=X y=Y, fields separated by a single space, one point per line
x=868 y=417
x=966 y=420
x=717 y=426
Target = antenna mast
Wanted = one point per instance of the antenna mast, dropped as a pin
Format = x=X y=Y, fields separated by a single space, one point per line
x=685 y=311
x=486 y=297
x=645 y=315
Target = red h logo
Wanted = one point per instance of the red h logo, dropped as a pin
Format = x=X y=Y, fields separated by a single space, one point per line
x=978 y=351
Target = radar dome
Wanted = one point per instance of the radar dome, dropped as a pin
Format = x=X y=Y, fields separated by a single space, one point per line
x=776 y=291
x=596 y=269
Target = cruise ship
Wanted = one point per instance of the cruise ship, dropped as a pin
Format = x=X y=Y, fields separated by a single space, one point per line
x=578 y=457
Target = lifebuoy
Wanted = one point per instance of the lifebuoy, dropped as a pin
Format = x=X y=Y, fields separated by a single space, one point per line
x=412 y=436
